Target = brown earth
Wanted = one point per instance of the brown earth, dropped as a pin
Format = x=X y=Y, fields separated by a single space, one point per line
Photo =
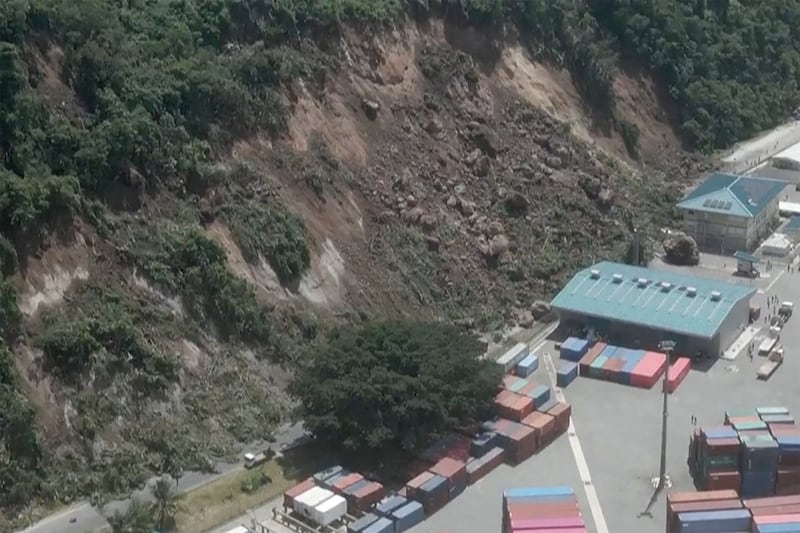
x=448 y=185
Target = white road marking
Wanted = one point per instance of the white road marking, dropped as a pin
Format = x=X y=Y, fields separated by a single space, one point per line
x=769 y=287
x=577 y=451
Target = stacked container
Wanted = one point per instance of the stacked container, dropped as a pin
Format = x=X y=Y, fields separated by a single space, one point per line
x=479 y=467
x=573 y=349
x=544 y=426
x=362 y=523
x=517 y=440
x=362 y=496
x=387 y=506
x=541 y=509
x=687 y=503
x=290 y=495
x=430 y=490
x=715 y=459
x=343 y=482
x=677 y=373
x=513 y=406
x=455 y=472
x=622 y=365
x=776 y=514
x=320 y=505
x=381 y=525
x=760 y=447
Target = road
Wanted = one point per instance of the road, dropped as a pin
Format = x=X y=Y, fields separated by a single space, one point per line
x=750 y=154
x=90 y=518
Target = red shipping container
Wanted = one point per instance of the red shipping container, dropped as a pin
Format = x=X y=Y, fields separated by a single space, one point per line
x=648 y=370
x=777 y=509
x=523 y=445
x=717 y=447
x=612 y=370
x=412 y=487
x=366 y=497
x=677 y=373
x=561 y=412
x=754 y=503
x=743 y=420
x=520 y=408
x=590 y=356
x=297 y=490
x=776 y=519
x=455 y=472
x=543 y=425
x=345 y=481
x=723 y=480
x=708 y=496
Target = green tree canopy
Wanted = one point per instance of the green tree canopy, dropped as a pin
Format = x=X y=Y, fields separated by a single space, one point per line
x=394 y=383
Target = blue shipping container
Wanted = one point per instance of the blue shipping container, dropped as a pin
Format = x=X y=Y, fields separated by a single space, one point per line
x=567 y=373
x=408 y=516
x=573 y=349
x=608 y=351
x=355 y=487
x=714 y=521
x=388 y=505
x=778 y=419
x=435 y=484
x=382 y=525
x=528 y=366
x=559 y=490
x=361 y=524
x=328 y=482
x=328 y=473
x=724 y=432
x=791 y=527
x=546 y=406
x=541 y=394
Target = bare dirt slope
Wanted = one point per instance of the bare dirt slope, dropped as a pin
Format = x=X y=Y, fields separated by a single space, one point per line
x=437 y=174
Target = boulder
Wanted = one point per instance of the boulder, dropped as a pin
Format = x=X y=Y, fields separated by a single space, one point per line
x=516 y=203
x=371 y=108
x=681 y=249
x=542 y=311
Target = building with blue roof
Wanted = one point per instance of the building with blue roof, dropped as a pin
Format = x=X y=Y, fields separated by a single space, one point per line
x=727 y=212
x=640 y=305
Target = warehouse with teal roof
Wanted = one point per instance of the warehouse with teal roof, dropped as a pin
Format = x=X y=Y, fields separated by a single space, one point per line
x=637 y=306
x=727 y=212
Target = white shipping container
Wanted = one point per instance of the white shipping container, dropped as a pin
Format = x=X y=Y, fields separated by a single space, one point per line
x=766 y=346
x=513 y=356
x=305 y=503
x=330 y=510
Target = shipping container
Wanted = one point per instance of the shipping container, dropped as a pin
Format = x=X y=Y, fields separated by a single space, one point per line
x=590 y=356
x=546 y=406
x=528 y=492
x=455 y=472
x=482 y=443
x=573 y=349
x=480 y=467
x=386 y=506
x=543 y=523
x=597 y=365
x=340 y=484
x=359 y=525
x=381 y=525
x=528 y=365
x=408 y=516
x=771 y=411
x=328 y=473
x=330 y=510
x=648 y=370
x=715 y=521
x=413 y=486
x=366 y=497
x=677 y=373
x=297 y=490
x=513 y=356
x=305 y=502
x=566 y=373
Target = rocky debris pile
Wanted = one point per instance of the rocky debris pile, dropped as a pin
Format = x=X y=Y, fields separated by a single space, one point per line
x=681 y=249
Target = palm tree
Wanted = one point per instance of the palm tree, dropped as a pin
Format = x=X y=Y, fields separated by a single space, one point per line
x=165 y=506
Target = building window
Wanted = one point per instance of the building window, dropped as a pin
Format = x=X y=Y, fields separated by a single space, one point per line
x=690 y=211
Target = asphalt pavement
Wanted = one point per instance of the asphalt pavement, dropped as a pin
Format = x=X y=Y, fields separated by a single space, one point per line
x=84 y=517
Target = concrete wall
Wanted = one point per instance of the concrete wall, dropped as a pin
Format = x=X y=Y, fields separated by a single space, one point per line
x=731 y=327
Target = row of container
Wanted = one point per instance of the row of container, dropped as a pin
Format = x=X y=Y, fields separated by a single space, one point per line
x=756 y=453
x=723 y=510
x=622 y=365
x=541 y=510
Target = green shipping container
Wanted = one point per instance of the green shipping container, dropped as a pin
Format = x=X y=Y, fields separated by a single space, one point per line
x=597 y=366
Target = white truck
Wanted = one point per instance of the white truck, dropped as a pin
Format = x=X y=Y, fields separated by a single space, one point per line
x=786 y=309
x=252 y=460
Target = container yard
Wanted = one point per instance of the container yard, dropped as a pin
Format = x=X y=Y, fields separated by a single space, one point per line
x=756 y=452
x=723 y=510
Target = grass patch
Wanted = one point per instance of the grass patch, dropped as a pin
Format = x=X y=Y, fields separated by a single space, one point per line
x=223 y=500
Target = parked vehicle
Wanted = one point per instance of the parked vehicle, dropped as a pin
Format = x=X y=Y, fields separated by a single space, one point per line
x=251 y=460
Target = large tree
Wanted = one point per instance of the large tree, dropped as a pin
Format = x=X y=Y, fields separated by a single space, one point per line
x=392 y=383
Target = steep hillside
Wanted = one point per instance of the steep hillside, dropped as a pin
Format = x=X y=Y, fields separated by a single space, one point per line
x=193 y=193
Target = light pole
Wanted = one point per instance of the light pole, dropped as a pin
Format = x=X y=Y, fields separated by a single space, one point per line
x=666 y=346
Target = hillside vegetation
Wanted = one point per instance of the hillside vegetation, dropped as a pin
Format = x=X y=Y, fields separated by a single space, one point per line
x=122 y=129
